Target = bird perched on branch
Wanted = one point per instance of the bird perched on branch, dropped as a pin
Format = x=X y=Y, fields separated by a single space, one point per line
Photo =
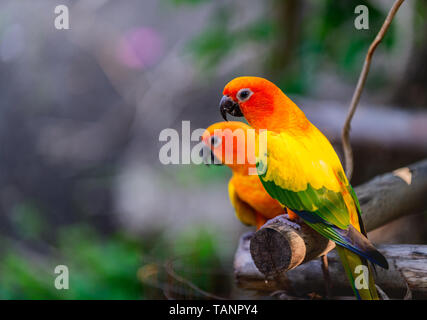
x=232 y=145
x=302 y=171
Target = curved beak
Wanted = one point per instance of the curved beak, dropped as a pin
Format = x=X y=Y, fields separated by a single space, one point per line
x=209 y=157
x=228 y=105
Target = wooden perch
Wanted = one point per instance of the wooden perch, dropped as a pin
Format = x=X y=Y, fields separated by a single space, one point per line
x=408 y=266
x=393 y=195
x=277 y=248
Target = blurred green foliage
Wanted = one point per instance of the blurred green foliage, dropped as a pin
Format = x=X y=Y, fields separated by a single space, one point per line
x=188 y=2
x=420 y=20
x=218 y=39
x=322 y=37
x=28 y=220
x=107 y=266
x=191 y=175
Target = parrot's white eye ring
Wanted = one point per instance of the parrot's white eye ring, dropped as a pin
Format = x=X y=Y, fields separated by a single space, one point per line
x=215 y=141
x=244 y=94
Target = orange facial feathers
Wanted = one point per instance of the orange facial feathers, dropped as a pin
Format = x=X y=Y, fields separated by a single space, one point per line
x=261 y=109
x=229 y=140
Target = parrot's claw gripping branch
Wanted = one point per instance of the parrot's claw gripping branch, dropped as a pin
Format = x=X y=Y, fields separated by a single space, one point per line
x=283 y=218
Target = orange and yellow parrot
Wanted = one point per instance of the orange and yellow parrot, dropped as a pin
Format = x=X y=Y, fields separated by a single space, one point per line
x=252 y=204
x=302 y=171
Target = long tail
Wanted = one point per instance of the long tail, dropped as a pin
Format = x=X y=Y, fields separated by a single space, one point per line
x=359 y=272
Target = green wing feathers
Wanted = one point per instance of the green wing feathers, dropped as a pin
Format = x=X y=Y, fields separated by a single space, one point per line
x=305 y=175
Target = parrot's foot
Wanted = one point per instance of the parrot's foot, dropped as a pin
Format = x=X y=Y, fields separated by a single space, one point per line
x=297 y=220
x=247 y=236
x=326 y=276
x=283 y=219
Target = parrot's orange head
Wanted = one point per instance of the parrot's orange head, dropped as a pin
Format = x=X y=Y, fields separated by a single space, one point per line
x=229 y=141
x=260 y=101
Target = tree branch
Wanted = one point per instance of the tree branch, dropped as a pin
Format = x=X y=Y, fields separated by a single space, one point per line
x=408 y=270
x=393 y=195
x=277 y=247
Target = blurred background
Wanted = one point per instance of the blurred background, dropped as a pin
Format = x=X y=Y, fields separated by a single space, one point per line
x=81 y=111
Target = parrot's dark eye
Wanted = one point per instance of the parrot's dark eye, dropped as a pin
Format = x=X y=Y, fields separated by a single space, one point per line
x=244 y=94
x=215 y=142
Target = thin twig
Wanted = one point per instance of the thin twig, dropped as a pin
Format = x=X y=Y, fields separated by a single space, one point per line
x=408 y=295
x=326 y=276
x=381 y=293
x=348 y=153
x=170 y=271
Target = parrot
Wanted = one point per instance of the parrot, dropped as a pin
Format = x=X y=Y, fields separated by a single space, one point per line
x=303 y=172
x=251 y=202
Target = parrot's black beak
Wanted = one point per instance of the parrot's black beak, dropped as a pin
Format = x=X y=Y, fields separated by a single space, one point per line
x=209 y=157
x=227 y=105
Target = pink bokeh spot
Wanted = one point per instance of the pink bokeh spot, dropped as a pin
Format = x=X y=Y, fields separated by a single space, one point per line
x=140 y=48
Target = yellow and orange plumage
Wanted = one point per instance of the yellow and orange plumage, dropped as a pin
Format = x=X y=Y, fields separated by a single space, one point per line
x=302 y=171
x=252 y=203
